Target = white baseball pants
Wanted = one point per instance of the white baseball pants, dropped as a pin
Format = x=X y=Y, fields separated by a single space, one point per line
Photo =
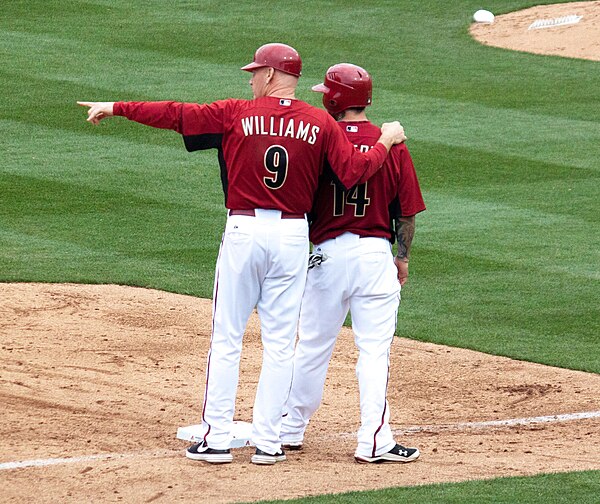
x=262 y=263
x=359 y=275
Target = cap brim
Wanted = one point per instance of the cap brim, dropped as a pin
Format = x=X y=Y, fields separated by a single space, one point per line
x=320 y=88
x=251 y=66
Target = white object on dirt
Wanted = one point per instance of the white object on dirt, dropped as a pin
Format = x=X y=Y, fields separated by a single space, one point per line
x=242 y=431
x=483 y=16
x=549 y=23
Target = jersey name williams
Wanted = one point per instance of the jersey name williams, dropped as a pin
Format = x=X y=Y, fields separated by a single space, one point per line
x=281 y=127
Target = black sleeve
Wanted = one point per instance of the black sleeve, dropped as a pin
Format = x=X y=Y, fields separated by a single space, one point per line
x=203 y=142
x=210 y=141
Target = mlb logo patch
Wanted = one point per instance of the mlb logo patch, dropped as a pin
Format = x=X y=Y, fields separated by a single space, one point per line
x=285 y=103
x=352 y=129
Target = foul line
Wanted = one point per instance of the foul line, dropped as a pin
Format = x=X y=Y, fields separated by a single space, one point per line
x=54 y=461
x=74 y=460
x=499 y=423
x=409 y=430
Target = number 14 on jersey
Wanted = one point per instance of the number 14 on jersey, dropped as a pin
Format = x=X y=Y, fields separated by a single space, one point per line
x=356 y=196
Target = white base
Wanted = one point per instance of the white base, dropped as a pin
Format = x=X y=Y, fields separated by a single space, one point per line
x=483 y=16
x=242 y=431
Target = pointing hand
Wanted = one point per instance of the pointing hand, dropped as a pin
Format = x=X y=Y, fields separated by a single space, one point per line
x=97 y=110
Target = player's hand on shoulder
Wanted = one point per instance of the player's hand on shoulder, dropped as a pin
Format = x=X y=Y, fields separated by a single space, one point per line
x=394 y=131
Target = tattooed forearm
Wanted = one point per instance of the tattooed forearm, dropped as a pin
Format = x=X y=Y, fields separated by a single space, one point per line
x=405 y=230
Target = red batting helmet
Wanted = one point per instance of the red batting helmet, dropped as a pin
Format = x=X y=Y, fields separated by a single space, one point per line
x=278 y=56
x=345 y=86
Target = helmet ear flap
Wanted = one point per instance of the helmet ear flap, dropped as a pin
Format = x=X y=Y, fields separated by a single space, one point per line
x=328 y=102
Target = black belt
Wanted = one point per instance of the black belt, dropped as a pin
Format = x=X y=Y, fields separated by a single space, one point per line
x=252 y=213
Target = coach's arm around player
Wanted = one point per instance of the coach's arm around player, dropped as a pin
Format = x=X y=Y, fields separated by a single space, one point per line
x=392 y=133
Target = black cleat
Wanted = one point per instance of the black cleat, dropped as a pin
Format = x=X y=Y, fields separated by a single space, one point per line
x=264 y=458
x=201 y=451
x=397 y=454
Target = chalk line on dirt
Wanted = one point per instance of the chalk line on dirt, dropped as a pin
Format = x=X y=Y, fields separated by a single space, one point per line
x=85 y=458
x=567 y=417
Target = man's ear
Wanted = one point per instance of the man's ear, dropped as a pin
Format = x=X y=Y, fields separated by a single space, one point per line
x=270 y=74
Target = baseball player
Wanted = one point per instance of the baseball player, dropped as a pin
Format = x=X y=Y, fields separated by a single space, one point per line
x=354 y=270
x=271 y=151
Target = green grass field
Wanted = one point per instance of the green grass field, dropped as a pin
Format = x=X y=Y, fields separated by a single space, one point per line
x=506 y=144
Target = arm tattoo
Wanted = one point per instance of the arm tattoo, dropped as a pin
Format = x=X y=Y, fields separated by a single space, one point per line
x=405 y=230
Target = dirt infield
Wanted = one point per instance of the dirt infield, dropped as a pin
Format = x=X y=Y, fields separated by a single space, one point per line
x=97 y=379
x=577 y=40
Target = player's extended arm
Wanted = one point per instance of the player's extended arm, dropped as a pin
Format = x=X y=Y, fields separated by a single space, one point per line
x=185 y=118
x=405 y=230
x=98 y=110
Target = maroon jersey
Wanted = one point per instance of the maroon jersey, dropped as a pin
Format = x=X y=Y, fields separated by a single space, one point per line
x=271 y=150
x=367 y=208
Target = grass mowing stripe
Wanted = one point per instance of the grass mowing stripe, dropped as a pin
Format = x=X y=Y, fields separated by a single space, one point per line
x=541 y=187
x=66 y=62
x=572 y=198
x=498 y=278
x=174 y=28
x=496 y=130
x=164 y=172
x=185 y=270
x=470 y=168
x=48 y=206
x=512 y=235
x=122 y=237
x=493 y=307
